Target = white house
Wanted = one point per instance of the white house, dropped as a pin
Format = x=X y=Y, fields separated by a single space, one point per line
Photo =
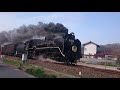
x=90 y=49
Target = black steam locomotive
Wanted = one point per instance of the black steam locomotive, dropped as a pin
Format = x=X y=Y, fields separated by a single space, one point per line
x=69 y=50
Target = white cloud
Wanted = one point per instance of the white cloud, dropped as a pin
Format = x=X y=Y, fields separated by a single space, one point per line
x=7 y=21
x=71 y=20
x=55 y=17
x=48 y=18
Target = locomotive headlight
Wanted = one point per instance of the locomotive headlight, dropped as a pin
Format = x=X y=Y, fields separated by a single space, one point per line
x=74 y=48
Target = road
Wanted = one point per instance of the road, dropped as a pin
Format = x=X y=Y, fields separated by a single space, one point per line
x=10 y=72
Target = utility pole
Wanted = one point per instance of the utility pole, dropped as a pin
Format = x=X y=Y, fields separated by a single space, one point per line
x=105 y=62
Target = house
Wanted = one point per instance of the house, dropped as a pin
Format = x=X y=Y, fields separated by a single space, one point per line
x=104 y=54
x=93 y=50
x=116 y=57
x=90 y=49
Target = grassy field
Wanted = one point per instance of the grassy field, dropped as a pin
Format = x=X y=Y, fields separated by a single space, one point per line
x=40 y=73
x=31 y=69
x=114 y=65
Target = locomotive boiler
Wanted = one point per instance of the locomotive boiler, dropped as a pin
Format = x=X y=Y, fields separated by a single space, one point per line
x=69 y=50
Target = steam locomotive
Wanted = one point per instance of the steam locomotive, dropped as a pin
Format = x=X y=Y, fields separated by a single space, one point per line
x=69 y=50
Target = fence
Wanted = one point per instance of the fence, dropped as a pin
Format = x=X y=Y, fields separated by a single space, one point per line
x=97 y=61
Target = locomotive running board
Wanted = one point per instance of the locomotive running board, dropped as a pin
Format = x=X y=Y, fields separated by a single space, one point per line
x=52 y=47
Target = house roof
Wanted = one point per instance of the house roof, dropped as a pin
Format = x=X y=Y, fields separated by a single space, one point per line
x=92 y=43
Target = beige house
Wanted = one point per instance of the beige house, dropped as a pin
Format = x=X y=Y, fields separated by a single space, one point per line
x=90 y=49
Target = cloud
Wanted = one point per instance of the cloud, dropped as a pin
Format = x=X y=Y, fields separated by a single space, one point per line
x=54 y=17
x=71 y=20
x=7 y=21
x=48 y=18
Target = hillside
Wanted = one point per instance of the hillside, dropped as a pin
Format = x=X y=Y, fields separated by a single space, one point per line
x=113 y=48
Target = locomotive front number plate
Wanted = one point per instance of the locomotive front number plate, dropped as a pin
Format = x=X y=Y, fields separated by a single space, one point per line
x=74 y=48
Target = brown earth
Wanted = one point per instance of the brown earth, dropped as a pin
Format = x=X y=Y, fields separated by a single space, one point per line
x=86 y=72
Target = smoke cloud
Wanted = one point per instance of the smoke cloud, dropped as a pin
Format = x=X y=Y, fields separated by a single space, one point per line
x=51 y=31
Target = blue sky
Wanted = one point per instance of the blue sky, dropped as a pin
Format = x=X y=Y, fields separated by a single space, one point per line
x=99 y=27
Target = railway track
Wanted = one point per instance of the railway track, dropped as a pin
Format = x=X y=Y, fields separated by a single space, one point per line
x=96 y=69
x=85 y=71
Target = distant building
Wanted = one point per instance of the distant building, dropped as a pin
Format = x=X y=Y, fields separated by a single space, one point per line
x=105 y=54
x=93 y=50
x=116 y=57
x=90 y=49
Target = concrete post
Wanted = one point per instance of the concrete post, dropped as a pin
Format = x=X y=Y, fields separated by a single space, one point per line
x=24 y=58
x=2 y=57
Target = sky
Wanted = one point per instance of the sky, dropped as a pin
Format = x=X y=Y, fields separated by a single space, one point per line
x=99 y=27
